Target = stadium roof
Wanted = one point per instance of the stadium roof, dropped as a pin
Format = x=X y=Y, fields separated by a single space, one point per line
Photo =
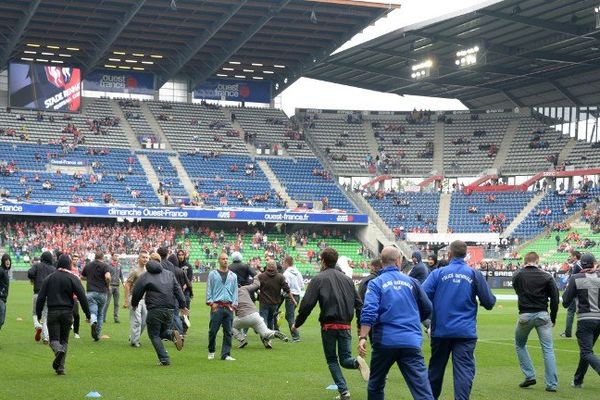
x=531 y=53
x=189 y=38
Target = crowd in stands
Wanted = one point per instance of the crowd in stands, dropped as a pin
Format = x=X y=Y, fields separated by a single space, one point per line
x=593 y=218
x=419 y=117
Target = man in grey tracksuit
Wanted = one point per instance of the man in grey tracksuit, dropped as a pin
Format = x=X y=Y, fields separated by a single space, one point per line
x=247 y=316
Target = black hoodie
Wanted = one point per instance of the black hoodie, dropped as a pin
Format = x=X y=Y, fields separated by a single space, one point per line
x=40 y=271
x=160 y=287
x=4 y=278
x=180 y=275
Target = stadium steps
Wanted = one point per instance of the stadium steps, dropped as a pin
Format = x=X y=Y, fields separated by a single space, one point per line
x=185 y=179
x=566 y=150
x=438 y=148
x=153 y=124
x=150 y=173
x=443 y=217
x=238 y=127
x=276 y=184
x=507 y=139
x=127 y=129
x=370 y=135
x=523 y=214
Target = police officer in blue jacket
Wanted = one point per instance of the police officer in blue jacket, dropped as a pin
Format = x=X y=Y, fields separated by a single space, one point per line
x=454 y=291
x=394 y=307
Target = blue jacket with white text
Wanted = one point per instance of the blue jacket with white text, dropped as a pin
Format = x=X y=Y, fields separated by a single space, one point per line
x=394 y=307
x=454 y=290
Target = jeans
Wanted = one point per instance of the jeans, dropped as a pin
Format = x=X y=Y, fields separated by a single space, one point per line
x=59 y=327
x=137 y=321
x=97 y=301
x=570 y=317
x=290 y=310
x=158 y=322
x=412 y=366
x=542 y=324
x=342 y=341
x=177 y=324
x=463 y=365
x=223 y=316
x=2 y=313
x=253 y=321
x=44 y=325
x=268 y=312
x=113 y=292
x=587 y=335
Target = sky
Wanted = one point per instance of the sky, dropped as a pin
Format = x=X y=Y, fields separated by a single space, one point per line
x=311 y=93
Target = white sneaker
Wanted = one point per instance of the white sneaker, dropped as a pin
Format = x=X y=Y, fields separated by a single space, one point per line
x=363 y=368
x=211 y=356
x=76 y=336
x=229 y=358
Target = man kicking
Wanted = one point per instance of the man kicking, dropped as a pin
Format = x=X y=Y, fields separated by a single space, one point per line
x=247 y=316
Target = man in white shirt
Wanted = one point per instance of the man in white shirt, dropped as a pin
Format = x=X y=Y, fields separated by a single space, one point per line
x=295 y=281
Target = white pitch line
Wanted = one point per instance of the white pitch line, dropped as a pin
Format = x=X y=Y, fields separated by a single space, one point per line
x=495 y=341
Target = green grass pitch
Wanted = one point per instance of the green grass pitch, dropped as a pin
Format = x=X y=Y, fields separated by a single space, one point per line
x=289 y=371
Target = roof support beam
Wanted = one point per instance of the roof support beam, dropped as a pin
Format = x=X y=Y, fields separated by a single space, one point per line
x=563 y=27
x=192 y=48
x=512 y=98
x=244 y=37
x=17 y=33
x=563 y=91
x=113 y=35
x=313 y=60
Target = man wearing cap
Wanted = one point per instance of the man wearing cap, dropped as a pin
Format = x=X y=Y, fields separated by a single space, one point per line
x=244 y=273
x=57 y=292
x=534 y=288
x=583 y=289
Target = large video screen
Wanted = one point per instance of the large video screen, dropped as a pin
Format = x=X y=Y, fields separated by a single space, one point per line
x=44 y=87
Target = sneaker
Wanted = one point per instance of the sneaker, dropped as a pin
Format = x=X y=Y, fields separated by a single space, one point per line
x=228 y=358
x=243 y=344
x=177 y=340
x=267 y=343
x=550 y=389
x=527 y=382
x=136 y=345
x=38 y=334
x=117 y=321
x=76 y=336
x=95 y=331
x=60 y=372
x=281 y=336
x=564 y=335
x=211 y=356
x=363 y=368
x=164 y=363
x=45 y=342
x=296 y=340
x=58 y=359
x=343 y=396
x=576 y=385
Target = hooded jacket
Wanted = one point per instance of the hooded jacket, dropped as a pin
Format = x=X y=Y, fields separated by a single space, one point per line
x=180 y=275
x=244 y=273
x=271 y=285
x=4 y=278
x=40 y=271
x=419 y=271
x=160 y=287
x=57 y=292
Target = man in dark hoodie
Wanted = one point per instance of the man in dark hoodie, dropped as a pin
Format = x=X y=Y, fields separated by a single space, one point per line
x=271 y=285
x=5 y=266
x=163 y=252
x=419 y=271
x=162 y=293
x=36 y=274
x=185 y=266
x=432 y=262
x=244 y=273
x=57 y=295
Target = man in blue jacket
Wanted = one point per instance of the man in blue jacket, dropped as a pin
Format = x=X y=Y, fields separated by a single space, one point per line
x=454 y=290
x=395 y=304
x=222 y=297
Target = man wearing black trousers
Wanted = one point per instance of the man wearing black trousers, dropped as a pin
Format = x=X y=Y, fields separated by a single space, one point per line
x=162 y=293
x=57 y=292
